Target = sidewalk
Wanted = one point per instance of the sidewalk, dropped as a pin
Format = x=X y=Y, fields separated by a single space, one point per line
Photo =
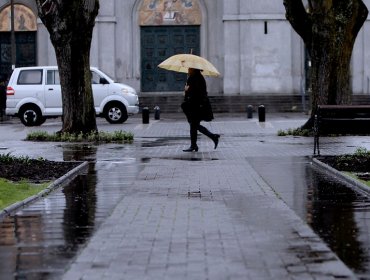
x=207 y=215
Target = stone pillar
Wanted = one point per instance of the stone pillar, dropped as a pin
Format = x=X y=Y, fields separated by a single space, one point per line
x=232 y=47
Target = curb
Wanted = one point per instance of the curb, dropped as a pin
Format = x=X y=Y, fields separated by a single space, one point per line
x=62 y=181
x=359 y=185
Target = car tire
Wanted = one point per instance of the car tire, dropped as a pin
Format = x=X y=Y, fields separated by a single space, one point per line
x=30 y=115
x=115 y=112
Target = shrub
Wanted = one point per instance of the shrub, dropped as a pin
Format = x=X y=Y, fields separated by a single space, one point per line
x=295 y=132
x=97 y=137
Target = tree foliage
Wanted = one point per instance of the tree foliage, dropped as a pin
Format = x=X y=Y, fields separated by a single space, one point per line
x=70 y=24
x=329 y=29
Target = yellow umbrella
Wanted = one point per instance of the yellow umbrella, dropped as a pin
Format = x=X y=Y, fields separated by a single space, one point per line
x=182 y=62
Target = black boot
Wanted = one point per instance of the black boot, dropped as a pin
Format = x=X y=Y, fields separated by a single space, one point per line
x=191 y=149
x=193 y=138
x=215 y=139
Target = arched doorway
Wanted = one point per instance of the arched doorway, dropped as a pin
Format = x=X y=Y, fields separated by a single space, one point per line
x=25 y=27
x=167 y=27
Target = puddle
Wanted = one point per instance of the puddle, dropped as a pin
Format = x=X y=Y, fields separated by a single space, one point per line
x=39 y=241
x=79 y=152
x=162 y=141
x=190 y=158
x=341 y=216
x=336 y=212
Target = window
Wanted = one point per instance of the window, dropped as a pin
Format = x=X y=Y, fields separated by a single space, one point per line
x=52 y=77
x=30 y=77
x=95 y=78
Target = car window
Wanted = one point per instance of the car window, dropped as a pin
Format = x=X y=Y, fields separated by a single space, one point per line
x=30 y=77
x=52 y=77
x=95 y=78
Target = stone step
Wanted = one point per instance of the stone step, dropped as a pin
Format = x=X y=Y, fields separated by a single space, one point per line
x=239 y=104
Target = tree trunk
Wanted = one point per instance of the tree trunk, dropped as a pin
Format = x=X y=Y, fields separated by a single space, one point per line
x=329 y=30
x=70 y=25
x=335 y=28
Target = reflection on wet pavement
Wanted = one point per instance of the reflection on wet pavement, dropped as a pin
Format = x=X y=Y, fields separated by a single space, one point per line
x=40 y=240
x=160 y=141
x=341 y=216
x=191 y=158
x=336 y=212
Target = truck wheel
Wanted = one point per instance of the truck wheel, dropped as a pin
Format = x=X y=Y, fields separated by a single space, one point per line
x=30 y=115
x=115 y=112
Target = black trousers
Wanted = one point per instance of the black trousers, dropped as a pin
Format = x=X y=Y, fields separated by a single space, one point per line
x=195 y=126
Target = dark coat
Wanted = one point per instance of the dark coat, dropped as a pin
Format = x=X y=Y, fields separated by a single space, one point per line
x=196 y=98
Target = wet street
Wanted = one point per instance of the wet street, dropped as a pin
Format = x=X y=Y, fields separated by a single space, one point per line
x=145 y=186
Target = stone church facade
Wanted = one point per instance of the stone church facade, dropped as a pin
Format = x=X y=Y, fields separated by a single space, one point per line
x=250 y=42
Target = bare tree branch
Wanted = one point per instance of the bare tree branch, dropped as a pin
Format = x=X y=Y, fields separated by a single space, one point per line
x=299 y=19
x=362 y=13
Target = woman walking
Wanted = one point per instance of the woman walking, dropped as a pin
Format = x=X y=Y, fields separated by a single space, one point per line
x=197 y=108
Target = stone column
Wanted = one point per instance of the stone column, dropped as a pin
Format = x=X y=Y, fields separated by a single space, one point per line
x=232 y=47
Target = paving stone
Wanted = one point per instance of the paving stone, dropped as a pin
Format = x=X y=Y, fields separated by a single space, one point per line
x=205 y=215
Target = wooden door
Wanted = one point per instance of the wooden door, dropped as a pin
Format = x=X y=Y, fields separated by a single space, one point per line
x=157 y=44
x=25 y=51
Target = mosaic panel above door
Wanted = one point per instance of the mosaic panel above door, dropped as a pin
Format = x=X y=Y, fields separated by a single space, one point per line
x=170 y=12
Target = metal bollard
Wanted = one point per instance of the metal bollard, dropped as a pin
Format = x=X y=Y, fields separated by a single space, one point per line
x=145 y=115
x=250 y=112
x=157 y=113
x=261 y=113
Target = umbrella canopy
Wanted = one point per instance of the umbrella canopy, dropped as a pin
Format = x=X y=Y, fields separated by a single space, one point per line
x=182 y=62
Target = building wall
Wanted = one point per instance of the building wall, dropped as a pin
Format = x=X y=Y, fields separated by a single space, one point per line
x=361 y=59
x=262 y=53
x=28 y=3
x=250 y=42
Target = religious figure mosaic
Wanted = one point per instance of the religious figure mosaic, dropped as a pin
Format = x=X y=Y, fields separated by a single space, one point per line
x=24 y=19
x=170 y=12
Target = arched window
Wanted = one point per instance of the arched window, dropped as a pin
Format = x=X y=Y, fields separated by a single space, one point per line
x=24 y=19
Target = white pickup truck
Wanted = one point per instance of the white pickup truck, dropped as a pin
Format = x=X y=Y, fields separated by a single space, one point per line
x=34 y=94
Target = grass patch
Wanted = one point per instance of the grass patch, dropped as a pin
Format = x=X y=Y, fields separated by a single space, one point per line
x=364 y=153
x=8 y=158
x=295 y=132
x=356 y=177
x=96 y=137
x=11 y=192
x=360 y=152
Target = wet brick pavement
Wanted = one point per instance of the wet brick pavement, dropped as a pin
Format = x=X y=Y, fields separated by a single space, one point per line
x=205 y=215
